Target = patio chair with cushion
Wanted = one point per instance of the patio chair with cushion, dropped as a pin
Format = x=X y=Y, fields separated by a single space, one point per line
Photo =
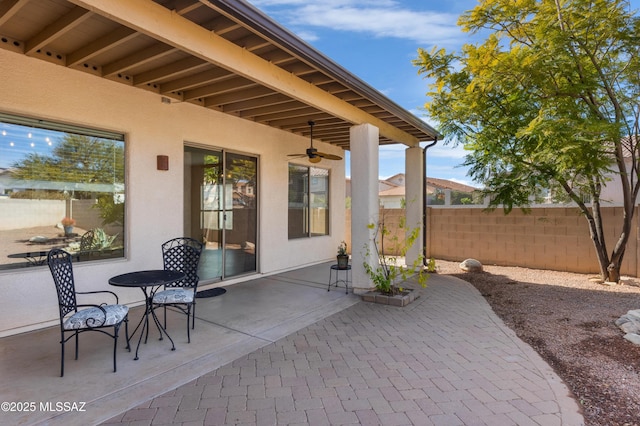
x=90 y=317
x=180 y=254
x=86 y=241
x=86 y=246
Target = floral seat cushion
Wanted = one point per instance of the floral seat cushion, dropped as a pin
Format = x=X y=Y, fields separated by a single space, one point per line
x=174 y=295
x=95 y=317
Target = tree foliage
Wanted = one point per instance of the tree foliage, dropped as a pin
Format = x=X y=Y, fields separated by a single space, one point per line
x=549 y=100
x=77 y=160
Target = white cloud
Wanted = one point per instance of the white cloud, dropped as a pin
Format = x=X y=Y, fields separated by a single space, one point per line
x=440 y=151
x=447 y=151
x=378 y=18
x=308 y=36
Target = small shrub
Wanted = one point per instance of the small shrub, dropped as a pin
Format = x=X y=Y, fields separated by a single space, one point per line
x=431 y=265
x=386 y=275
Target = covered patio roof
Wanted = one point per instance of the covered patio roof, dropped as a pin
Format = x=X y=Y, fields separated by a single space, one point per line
x=224 y=55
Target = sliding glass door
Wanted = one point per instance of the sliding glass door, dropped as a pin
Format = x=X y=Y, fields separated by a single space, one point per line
x=221 y=210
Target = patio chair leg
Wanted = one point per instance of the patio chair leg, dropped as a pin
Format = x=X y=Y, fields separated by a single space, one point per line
x=126 y=332
x=165 y=320
x=76 y=345
x=193 y=316
x=62 y=356
x=115 y=345
x=188 y=330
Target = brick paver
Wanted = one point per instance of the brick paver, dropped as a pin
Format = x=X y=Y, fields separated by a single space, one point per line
x=445 y=359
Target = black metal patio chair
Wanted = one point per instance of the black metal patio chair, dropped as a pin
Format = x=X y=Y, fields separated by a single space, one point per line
x=86 y=241
x=91 y=317
x=181 y=254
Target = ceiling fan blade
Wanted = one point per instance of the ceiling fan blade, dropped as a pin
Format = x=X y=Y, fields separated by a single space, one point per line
x=312 y=153
x=328 y=156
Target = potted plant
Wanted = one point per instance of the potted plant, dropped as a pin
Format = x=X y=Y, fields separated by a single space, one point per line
x=67 y=224
x=342 y=256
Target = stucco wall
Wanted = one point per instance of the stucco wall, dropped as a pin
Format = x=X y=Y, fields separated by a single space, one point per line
x=33 y=88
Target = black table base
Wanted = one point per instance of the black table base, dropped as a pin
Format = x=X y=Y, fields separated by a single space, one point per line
x=149 y=282
x=144 y=321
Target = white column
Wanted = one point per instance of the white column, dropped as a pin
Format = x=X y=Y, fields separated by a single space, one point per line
x=414 y=171
x=364 y=202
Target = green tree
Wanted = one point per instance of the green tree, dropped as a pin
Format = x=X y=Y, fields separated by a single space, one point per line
x=549 y=101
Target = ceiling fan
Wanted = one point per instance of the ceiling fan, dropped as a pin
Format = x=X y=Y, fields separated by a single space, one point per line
x=312 y=153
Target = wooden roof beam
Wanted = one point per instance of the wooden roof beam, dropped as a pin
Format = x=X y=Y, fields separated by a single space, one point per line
x=57 y=29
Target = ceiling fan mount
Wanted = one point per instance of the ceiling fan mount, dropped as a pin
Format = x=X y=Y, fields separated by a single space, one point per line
x=312 y=153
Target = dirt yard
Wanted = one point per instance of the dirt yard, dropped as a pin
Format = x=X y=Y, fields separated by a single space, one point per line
x=17 y=241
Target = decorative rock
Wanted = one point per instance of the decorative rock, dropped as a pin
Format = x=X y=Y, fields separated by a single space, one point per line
x=633 y=338
x=38 y=239
x=630 y=324
x=471 y=265
x=634 y=315
x=628 y=327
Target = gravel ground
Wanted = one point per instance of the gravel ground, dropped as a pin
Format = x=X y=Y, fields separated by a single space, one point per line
x=569 y=319
x=17 y=241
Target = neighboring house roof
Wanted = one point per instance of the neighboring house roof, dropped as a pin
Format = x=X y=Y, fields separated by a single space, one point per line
x=432 y=183
x=384 y=185
x=218 y=54
x=394 y=186
x=397 y=179
x=392 y=192
x=436 y=183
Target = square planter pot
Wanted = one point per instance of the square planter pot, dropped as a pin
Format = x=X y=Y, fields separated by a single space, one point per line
x=369 y=296
x=400 y=300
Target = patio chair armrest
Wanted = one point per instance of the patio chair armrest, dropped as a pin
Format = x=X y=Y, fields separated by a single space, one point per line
x=99 y=292
x=93 y=322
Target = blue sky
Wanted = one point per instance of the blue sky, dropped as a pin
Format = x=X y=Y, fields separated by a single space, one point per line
x=377 y=40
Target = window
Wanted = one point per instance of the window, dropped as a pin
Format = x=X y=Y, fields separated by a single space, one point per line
x=308 y=201
x=60 y=186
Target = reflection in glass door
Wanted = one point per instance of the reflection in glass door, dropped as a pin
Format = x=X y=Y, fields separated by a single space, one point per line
x=221 y=210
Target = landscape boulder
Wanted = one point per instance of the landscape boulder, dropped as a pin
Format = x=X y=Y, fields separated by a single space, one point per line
x=471 y=265
x=38 y=239
x=630 y=324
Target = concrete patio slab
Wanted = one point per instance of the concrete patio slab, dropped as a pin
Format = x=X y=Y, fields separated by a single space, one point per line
x=248 y=316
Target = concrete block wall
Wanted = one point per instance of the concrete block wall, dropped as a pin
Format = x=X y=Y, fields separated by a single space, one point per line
x=555 y=238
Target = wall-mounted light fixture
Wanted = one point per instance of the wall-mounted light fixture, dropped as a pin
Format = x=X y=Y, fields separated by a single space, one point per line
x=163 y=162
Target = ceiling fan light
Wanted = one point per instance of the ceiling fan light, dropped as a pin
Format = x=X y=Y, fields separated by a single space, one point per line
x=315 y=159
